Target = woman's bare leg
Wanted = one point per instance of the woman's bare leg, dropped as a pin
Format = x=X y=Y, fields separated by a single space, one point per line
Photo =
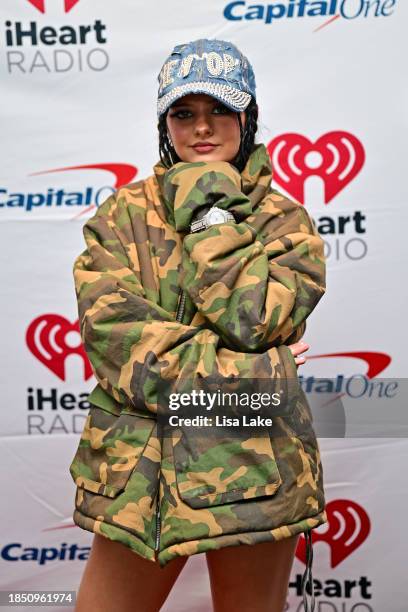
x=117 y=579
x=251 y=578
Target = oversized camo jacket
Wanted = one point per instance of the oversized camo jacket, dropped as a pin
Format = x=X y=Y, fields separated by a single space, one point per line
x=249 y=287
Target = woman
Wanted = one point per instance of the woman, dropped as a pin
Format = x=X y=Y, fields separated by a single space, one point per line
x=201 y=271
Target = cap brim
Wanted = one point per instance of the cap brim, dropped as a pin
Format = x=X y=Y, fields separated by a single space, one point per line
x=235 y=99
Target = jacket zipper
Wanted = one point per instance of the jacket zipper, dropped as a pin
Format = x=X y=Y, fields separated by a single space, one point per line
x=158 y=524
x=181 y=306
x=158 y=514
x=182 y=296
x=179 y=317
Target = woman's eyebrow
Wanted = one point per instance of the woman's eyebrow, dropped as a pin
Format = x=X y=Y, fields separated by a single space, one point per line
x=208 y=102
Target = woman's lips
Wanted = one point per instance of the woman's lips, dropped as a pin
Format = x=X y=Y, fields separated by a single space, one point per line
x=207 y=148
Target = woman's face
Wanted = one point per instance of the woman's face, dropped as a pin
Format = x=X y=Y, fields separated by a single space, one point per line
x=203 y=129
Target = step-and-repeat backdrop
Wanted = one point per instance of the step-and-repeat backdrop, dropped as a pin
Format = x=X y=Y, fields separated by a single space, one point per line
x=78 y=96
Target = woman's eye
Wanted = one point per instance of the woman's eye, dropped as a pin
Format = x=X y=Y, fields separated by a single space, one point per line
x=180 y=114
x=221 y=109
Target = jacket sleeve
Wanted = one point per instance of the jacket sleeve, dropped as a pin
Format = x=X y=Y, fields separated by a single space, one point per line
x=132 y=343
x=255 y=281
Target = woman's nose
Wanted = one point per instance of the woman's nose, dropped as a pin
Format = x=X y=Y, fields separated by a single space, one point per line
x=203 y=126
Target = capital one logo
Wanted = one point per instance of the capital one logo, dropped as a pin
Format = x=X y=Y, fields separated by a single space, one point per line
x=348 y=527
x=374 y=361
x=52 y=338
x=336 y=157
x=40 y=4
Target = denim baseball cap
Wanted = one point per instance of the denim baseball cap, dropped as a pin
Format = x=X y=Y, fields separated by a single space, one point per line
x=214 y=67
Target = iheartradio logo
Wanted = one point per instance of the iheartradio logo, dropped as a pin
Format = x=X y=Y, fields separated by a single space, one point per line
x=40 y=5
x=336 y=157
x=348 y=527
x=51 y=338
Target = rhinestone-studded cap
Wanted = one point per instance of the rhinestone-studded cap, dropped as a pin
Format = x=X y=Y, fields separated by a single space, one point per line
x=214 y=67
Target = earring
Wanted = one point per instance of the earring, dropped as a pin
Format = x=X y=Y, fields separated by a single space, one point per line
x=170 y=141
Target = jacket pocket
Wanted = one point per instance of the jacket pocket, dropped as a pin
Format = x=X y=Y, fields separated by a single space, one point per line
x=109 y=449
x=212 y=470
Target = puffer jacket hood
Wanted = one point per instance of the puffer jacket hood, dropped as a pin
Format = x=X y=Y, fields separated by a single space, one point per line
x=249 y=287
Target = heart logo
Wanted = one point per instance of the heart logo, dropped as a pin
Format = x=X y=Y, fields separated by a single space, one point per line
x=348 y=527
x=47 y=338
x=40 y=5
x=337 y=157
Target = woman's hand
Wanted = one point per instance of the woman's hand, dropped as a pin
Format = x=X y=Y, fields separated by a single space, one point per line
x=297 y=348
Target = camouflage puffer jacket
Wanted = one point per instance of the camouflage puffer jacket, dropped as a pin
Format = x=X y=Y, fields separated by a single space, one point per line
x=249 y=287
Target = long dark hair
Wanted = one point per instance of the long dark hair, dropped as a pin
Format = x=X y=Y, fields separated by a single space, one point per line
x=168 y=155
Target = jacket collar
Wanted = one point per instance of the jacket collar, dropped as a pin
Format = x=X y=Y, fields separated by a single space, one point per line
x=256 y=178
